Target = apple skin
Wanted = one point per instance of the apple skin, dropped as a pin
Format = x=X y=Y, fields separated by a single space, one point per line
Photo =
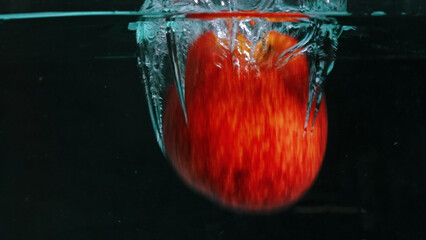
x=243 y=143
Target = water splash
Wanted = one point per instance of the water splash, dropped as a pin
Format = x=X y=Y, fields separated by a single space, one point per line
x=167 y=29
x=187 y=6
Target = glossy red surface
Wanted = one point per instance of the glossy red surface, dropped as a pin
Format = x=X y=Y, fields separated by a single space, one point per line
x=244 y=143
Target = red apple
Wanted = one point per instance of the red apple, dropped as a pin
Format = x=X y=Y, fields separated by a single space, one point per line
x=243 y=143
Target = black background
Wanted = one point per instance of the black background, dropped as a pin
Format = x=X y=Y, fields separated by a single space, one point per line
x=79 y=160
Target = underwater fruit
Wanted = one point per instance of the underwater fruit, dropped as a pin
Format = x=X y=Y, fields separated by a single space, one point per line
x=243 y=142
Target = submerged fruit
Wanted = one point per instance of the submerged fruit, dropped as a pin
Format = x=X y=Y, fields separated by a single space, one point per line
x=243 y=143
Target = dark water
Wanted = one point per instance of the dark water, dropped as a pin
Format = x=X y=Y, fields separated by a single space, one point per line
x=79 y=160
